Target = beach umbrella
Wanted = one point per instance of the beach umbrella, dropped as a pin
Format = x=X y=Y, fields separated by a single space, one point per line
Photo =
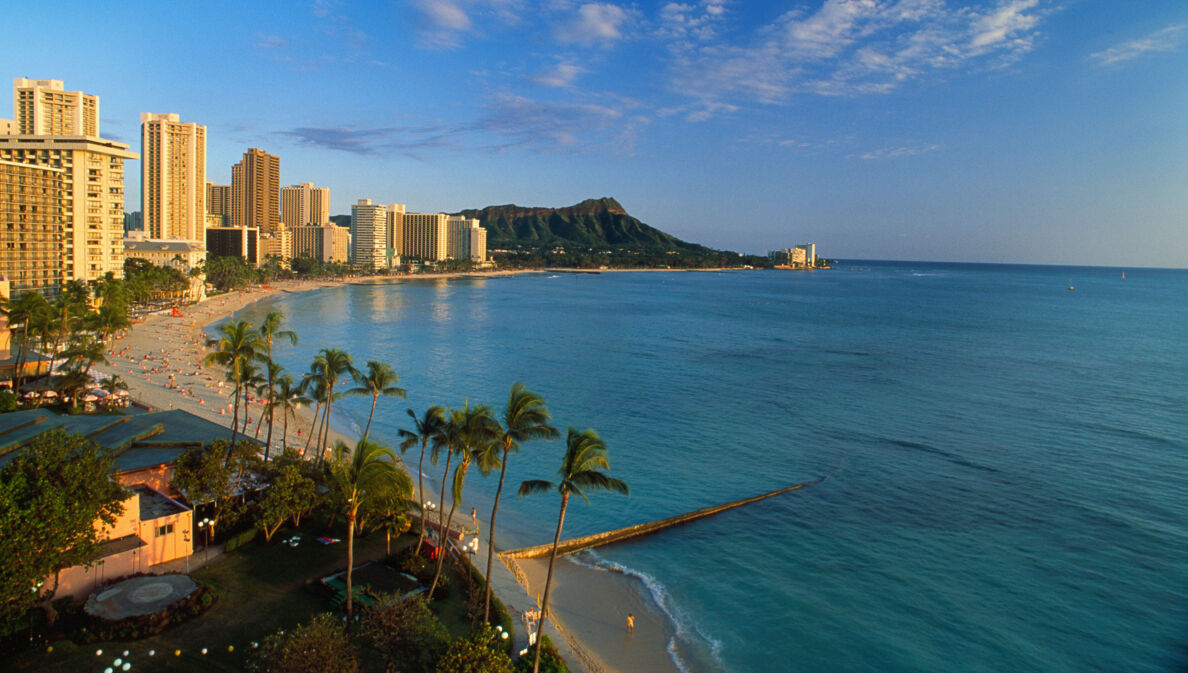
x=89 y=398
x=50 y=393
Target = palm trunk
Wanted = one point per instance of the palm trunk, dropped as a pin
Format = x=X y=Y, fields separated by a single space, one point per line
x=441 y=531
x=421 y=495
x=350 y=559
x=313 y=426
x=268 y=443
x=234 y=422
x=326 y=424
x=544 y=601
x=285 y=431
x=491 y=535
x=371 y=415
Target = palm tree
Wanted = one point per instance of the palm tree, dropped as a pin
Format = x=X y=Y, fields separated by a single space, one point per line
x=249 y=380
x=235 y=346
x=474 y=432
x=380 y=379
x=427 y=428
x=315 y=383
x=526 y=418
x=266 y=390
x=369 y=472
x=270 y=329
x=288 y=399
x=112 y=385
x=585 y=457
x=337 y=363
x=26 y=310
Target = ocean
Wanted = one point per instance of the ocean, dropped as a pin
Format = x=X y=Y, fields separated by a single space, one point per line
x=1003 y=460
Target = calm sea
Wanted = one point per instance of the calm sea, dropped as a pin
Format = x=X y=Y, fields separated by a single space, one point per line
x=1005 y=461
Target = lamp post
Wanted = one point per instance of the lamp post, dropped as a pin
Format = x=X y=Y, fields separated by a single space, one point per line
x=186 y=537
x=207 y=524
x=37 y=594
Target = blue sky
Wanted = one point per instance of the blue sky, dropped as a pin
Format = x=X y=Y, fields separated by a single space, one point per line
x=1001 y=131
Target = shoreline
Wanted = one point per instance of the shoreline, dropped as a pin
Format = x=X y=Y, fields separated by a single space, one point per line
x=585 y=624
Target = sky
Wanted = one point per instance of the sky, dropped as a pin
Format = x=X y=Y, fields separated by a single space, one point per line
x=1028 y=131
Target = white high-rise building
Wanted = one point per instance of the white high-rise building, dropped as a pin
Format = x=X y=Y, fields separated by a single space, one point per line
x=43 y=107
x=172 y=178
x=369 y=225
x=467 y=240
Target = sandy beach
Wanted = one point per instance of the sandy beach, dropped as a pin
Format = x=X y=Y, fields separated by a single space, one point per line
x=161 y=360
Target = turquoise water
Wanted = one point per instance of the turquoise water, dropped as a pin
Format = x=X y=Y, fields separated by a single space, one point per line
x=1005 y=462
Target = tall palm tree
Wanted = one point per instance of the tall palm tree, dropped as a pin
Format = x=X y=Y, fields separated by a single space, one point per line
x=266 y=390
x=585 y=457
x=112 y=385
x=369 y=472
x=474 y=432
x=337 y=364
x=288 y=399
x=250 y=379
x=314 y=383
x=427 y=428
x=25 y=310
x=234 y=347
x=270 y=329
x=380 y=379
x=525 y=418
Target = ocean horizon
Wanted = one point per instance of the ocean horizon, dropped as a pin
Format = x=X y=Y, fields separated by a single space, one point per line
x=1001 y=458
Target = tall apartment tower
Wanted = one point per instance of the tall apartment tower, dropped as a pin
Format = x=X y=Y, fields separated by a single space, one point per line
x=172 y=177
x=305 y=204
x=467 y=240
x=369 y=234
x=42 y=107
x=218 y=202
x=395 y=237
x=31 y=242
x=59 y=129
x=426 y=236
x=255 y=191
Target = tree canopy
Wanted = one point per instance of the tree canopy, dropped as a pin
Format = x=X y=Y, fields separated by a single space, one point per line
x=51 y=495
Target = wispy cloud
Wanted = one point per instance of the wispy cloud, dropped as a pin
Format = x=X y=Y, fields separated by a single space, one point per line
x=594 y=23
x=897 y=152
x=272 y=42
x=560 y=75
x=446 y=24
x=1165 y=40
x=850 y=48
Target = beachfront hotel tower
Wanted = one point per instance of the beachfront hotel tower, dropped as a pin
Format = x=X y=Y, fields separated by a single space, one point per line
x=59 y=129
x=426 y=236
x=43 y=107
x=255 y=191
x=32 y=226
x=369 y=235
x=218 y=202
x=305 y=204
x=172 y=178
x=467 y=240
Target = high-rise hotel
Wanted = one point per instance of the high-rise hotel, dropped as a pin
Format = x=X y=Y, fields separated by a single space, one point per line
x=305 y=204
x=57 y=129
x=255 y=191
x=173 y=178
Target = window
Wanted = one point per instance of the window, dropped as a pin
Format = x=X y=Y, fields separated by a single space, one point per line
x=167 y=529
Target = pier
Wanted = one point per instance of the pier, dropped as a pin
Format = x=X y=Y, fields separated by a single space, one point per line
x=600 y=539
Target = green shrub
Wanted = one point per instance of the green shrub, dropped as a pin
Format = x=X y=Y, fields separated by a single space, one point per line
x=8 y=401
x=240 y=539
x=550 y=659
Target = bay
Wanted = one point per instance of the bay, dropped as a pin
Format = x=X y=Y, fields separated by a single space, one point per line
x=1003 y=460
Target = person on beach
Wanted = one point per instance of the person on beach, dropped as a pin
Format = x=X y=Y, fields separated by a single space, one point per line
x=630 y=623
x=474 y=517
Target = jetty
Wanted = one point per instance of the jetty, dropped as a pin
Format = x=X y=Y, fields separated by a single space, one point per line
x=600 y=539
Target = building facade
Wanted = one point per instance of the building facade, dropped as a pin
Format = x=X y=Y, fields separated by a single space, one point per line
x=395 y=231
x=426 y=236
x=369 y=223
x=241 y=242
x=32 y=228
x=255 y=191
x=218 y=202
x=467 y=240
x=42 y=107
x=325 y=243
x=173 y=177
x=305 y=204
x=93 y=200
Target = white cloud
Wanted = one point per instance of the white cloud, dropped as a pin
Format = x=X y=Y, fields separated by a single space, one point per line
x=1008 y=20
x=560 y=75
x=445 y=23
x=1164 y=40
x=897 y=152
x=594 y=22
x=851 y=47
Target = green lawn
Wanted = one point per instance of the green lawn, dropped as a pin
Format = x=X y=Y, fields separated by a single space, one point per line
x=261 y=588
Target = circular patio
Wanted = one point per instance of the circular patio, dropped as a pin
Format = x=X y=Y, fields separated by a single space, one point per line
x=139 y=596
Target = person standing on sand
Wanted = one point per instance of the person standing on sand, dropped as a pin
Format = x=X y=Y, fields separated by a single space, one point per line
x=630 y=623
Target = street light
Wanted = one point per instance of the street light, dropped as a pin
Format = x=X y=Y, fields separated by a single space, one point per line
x=208 y=524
